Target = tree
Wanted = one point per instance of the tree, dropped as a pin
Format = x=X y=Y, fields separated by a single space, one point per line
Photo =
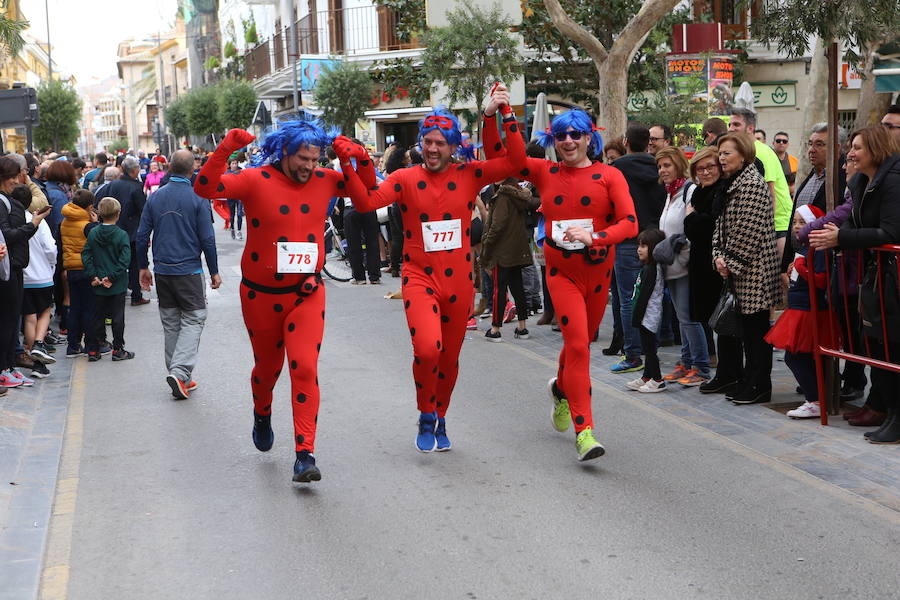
x=120 y=145
x=410 y=17
x=471 y=53
x=237 y=103
x=201 y=111
x=60 y=111
x=176 y=117
x=612 y=60
x=11 y=41
x=344 y=93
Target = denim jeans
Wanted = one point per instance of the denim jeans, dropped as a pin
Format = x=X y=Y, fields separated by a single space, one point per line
x=694 y=353
x=615 y=306
x=628 y=267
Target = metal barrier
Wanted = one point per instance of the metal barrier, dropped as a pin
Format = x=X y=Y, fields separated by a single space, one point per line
x=838 y=305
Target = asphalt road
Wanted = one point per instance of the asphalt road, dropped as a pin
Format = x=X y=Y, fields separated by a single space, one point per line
x=173 y=500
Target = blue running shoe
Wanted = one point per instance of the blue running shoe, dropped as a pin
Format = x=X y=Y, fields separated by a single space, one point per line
x=263 y=436
x=305 y=469
x=440 y=436
x=425 y=441
x=627 y=365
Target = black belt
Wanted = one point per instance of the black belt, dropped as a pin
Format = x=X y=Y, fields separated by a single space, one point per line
x=594 y=255
x=304 y=287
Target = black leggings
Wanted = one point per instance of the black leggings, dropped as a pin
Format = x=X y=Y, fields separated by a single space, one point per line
x=11 y=293
x=758 y=369
x=508 y=277
x=651 y=360
x=803 y=366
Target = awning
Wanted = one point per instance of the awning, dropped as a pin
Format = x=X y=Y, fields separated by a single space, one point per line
x=887 y=76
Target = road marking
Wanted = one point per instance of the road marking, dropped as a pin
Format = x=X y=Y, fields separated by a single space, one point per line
x=802 y=476
x=55 y=575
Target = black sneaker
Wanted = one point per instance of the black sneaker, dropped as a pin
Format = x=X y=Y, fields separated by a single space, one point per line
x=849 y=392
x=718 y=386
x=122 y=354
x=492 y=337
x=40 y=353
x=75 y=352
x=305 y=469
x=52 y=339
x=94 y=356
x=263 y=436
x=752 y=395
x=521 y=334
x=40 y=371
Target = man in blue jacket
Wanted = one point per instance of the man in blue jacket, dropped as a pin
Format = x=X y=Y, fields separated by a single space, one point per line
x=181 y=224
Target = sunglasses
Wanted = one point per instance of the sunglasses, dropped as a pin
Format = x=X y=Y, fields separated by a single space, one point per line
x=438 y=121
x=562 y=135
x=781 y=141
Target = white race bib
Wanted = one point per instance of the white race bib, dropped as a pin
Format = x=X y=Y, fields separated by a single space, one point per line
x=558 y=232
x=795 y=275
x=297 y=257
x=442 y=235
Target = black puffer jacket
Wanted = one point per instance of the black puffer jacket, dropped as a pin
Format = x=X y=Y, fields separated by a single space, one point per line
x=648 y=193
x=16 y=232
x=705 y=282
x=875 y=218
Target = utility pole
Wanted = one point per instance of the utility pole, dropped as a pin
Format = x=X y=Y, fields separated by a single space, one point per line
x=49 y=60
x=294 y=53
x=162 y=99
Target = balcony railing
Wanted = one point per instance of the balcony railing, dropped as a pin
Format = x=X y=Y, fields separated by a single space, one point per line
x=349 y=32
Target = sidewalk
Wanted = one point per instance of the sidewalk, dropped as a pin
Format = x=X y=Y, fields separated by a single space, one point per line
x=837 y=454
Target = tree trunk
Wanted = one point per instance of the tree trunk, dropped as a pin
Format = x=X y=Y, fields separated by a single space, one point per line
x=871 y=105
x=612 y=97
x=816 y=96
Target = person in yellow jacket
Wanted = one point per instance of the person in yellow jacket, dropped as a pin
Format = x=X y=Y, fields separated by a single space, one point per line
x=78 y=219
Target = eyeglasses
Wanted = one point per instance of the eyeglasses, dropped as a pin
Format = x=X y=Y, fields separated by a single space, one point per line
x=656 y=139
x=782 y=141
x=816 y=144
x=562 y=135
x=709 y=169
x=889 y=126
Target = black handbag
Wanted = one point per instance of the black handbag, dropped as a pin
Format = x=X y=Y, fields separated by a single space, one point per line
x=726 y=316
x=871 y=291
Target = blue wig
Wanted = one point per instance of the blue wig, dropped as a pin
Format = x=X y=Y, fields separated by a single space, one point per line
x=290 y=136
x=578 y=120
x=451 y=134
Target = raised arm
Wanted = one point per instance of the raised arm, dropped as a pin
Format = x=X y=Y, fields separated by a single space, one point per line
x=212 y=182
x=365 y=198
x=513 y=164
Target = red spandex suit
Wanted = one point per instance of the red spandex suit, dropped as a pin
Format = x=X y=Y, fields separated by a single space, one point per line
x=436 y=208
x=594 y=197
x=282 y=294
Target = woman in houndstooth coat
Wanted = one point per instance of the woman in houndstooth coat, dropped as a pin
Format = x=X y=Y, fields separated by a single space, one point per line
x=744 y=251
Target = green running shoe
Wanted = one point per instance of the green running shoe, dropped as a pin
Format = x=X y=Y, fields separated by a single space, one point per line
x=588 y=448
x=560 y=416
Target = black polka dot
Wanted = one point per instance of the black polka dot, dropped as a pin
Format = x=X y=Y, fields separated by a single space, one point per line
x=609 y=218
x=311 y=237
x=251 y=294
x=439 y=344
x=323 y=315
x=301 y=397
x=298 y=301
x=478 y=172
x=405 y=280
x=429 y=291
x=564 y=320
x=282 y=238
x=468 y=256
x=513 y=128
x=279 y=345
x=319 y=173
x=445 y=319
x=278 y=276
x=318 y=347
x=558 y=200
x=470 y=276
x=408 y=235
x=423 y=217
x=451 y=186
x=498 y=147
x=421 y=185
x=254 y=256
x=524 y=172
x=364 y=163
x=291 y=326
x=441 y=376
x=452 y=298
x=250 y=332
x=417 y=360
x=585 y=200
x=403 y=207
x=567 y=253
x=412 y=331
x=447 y=216
x=470 y=205
x=434 y=308
x=419 y=386
x=554 y=169
x=220 y=187
x=300 y=439
x=256 y=380
x=304 y=208
x=460 y=167
x=266 y=174
x=598 y=289
x=340 y=185
x=579 y=420
x=278 y=308
x=254 y=222
x=429 y=270
x=293 y=364
x=397 y=187
x=602 y=234
x=468 y=231
x=203 y=180
x=440 y=404
x=406 y=304
x=448 y=272
x=553 y=271
x=631 y=218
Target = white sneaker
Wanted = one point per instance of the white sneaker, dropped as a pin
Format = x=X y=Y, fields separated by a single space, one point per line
x=807 y=410
x=636 y=384
x=651 y=387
